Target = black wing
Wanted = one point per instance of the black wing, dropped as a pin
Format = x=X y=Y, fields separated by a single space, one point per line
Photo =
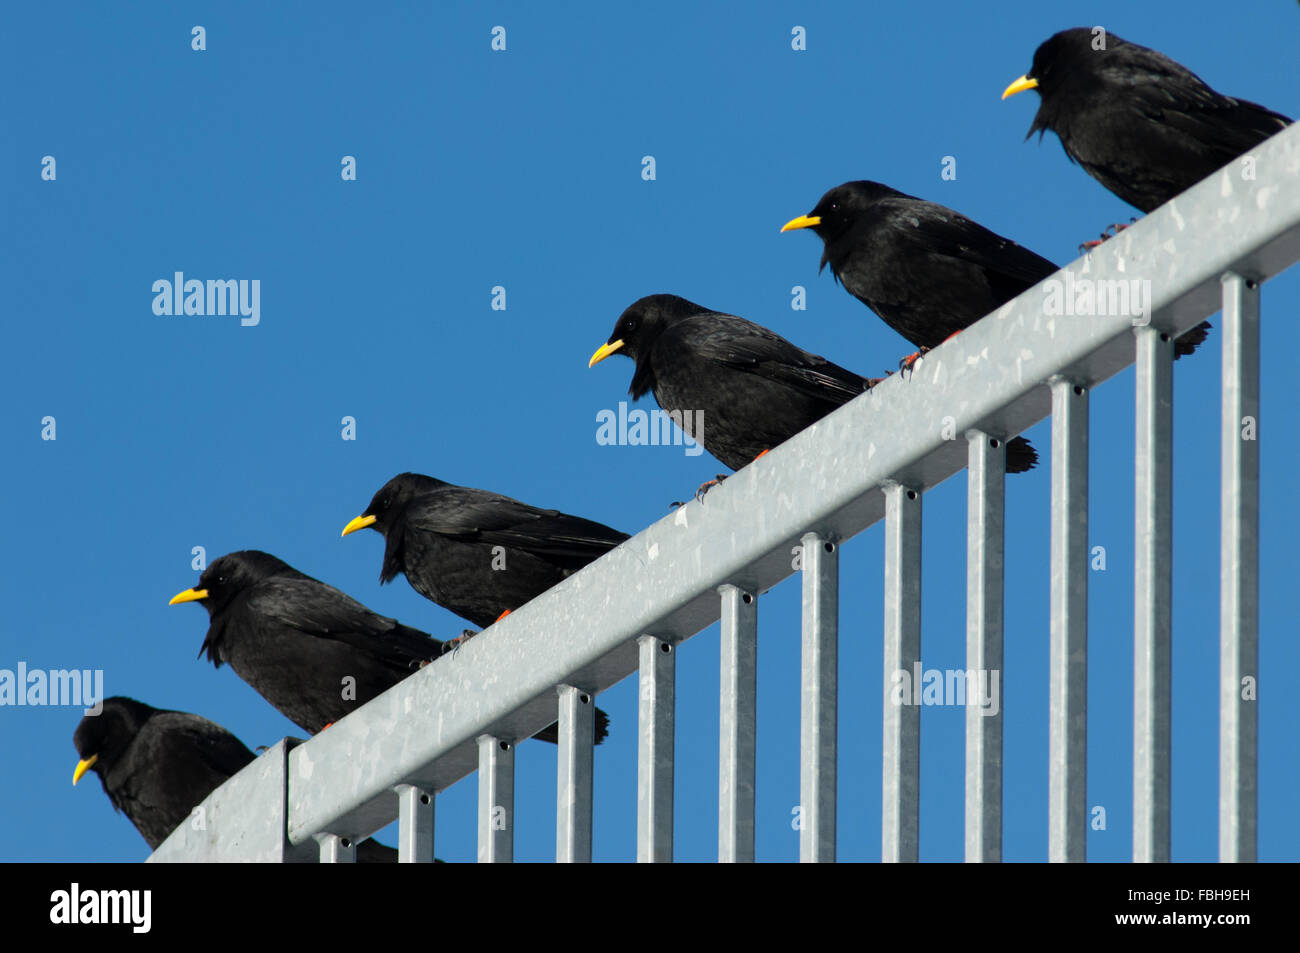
x=209 y=743
x=477 y=515
x=930 y=228
x=1185 y=105
x=320 y=610
x=743 y=345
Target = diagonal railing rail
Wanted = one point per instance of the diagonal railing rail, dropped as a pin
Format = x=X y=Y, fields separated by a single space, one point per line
x=872 y=459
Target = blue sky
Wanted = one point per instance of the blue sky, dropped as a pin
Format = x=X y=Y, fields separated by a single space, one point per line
x=523 y=169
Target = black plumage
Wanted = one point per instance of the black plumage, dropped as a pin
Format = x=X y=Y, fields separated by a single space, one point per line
x=313 y=652
x=754 y=388
x=157 y=765
x=927 y=271
x=1138 y=122
x=478 y=554
x=295 y=639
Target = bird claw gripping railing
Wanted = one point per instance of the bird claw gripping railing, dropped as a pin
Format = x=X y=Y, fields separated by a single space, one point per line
x=871 y=459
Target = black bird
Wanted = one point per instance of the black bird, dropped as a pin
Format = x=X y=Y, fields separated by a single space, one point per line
x=156 y=766
x=477 y=553
x=754 y=388
x=927 y=271
x=1139 y=123
x=313 y=652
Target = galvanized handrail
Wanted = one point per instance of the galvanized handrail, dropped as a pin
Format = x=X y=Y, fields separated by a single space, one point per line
x=872 y=459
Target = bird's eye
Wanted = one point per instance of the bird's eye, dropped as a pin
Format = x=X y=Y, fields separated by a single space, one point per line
x=385 y=503
x=220 y=580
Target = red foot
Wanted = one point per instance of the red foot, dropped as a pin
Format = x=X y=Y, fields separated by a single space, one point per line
x=707 y=485
x=905 y=365
x=1111 y=231
x=451 y=645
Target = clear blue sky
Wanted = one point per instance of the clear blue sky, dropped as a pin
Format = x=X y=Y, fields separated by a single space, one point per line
x=523 y=169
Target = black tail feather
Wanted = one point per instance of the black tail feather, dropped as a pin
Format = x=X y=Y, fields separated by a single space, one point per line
x=551 y=733
x=1193 y=339
x=1021 y=455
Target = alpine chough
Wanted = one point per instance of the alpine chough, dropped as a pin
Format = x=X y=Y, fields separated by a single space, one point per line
x=313 y=652
x=157 y=765
x=927 y=271
x=737 y=387
x=478 y=554
x=1138 y=122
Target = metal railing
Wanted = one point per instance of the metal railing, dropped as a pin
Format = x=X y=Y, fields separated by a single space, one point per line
x=872 y=459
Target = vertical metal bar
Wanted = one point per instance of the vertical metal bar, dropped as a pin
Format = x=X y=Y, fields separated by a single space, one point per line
x=415 y=825
x=496 y=800
x=1239 y=574
x=818 y=707
x=336 y=850
x=901 y=771
x=985 y=501
x=736 y=741
x=1068 y=718
x=1152 y=593
x=577 y=736
x=654 y=782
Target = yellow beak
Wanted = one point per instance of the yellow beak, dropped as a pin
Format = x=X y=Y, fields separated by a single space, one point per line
x=361 y=522
x=83 y=766
x=1019 y=86
x=803 y=221
x=189 y=595
x=604 y=351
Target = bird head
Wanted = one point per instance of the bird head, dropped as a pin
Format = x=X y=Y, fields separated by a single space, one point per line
x=102 y=739
x=227 y=577
x=221 y=584
x=839 y=210
x=1064 y=60
x=638 y=328
x=388 y=502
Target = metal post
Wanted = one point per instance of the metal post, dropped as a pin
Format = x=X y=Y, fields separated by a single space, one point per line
x=818 y=707
x=1068 y=718
x=415 y=825
x=654 y=788
x=1152 y=593
x=577 y=736
x=336 y=850
x=496 y=800
x=902 y=743
x=736 y=741
x=1239 y=573
x=985 y=500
